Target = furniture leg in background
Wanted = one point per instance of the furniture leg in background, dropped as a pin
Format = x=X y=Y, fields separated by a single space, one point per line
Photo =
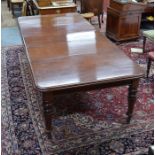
x=14 y=3
x=74 y=1
x=8 y=4
x=149 y=34
x=150 y=58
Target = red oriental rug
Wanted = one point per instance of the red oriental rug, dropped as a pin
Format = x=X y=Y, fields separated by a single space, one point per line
x=86 y=123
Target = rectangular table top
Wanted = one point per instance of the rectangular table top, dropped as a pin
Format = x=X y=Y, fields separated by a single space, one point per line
x=66 y=51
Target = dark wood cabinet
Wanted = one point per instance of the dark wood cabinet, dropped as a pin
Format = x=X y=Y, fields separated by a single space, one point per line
x=123 y=20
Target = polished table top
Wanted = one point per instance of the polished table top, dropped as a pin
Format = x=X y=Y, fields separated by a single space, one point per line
x=65 y=51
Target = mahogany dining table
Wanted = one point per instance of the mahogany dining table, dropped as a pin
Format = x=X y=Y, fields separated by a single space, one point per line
x=67 y=54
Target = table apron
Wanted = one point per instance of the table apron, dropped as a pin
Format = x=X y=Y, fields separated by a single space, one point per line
x=88 y=87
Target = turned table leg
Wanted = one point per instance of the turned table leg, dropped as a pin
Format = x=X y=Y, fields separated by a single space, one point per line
x=144 y=42
x=132 y=98
x=99 y=22
x=47 y=105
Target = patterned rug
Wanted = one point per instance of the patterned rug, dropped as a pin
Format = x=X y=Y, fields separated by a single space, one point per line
x=86 y=123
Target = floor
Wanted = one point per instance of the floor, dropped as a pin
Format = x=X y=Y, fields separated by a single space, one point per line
x=6 y=16
x=10 y=34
